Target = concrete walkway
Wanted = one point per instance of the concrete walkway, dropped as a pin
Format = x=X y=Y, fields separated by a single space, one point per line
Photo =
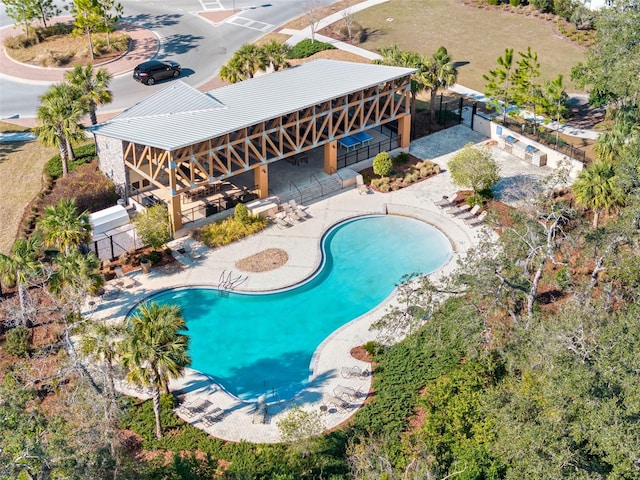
x=302 y=242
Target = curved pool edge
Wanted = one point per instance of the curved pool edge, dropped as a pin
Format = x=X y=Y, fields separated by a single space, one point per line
x=241 y=429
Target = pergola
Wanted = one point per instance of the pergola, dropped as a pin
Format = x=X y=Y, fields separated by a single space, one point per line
x=180 y=139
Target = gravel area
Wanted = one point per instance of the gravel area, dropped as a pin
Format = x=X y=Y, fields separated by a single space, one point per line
x=263 y=261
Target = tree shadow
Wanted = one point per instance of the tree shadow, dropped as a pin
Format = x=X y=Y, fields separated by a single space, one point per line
x=180 y=43
x=154 y=21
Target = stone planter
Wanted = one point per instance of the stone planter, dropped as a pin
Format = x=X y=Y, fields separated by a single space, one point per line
x=145 y=265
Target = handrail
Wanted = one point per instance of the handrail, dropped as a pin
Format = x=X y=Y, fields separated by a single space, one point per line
x=319 y=183
x=333 y=170
x=296 y=187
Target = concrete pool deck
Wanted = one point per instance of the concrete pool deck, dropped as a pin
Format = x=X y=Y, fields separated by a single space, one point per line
x=301 y=242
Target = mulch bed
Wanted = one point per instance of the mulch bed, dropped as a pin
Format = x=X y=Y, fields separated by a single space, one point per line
x=263 y=261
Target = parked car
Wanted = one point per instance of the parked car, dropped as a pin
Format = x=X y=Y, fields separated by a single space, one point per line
x=152 y=71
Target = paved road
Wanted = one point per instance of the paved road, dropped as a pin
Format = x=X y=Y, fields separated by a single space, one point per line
x=198 y=45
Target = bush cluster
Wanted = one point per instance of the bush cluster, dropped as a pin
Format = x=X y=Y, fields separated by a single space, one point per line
x=230 y=229
x=306 y=48
x=83 y=154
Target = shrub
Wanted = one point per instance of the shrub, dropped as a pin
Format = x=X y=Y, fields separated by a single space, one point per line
x=401 y=158
x=515 y=3
x=229 y=230
x=385 y=188
x=475 y=168
x=153 y=226
x=17 y=341
x=154 y=256
x=91 y=189
x=241 y=213
x=382 y=164
x=83 y=154
x=425 y=172
x=306 y=48
x=373 y=348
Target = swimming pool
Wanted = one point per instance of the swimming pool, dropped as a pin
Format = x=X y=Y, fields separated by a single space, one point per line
x=255 y=344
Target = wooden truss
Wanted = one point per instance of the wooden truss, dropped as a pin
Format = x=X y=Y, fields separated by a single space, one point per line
x=270 y=140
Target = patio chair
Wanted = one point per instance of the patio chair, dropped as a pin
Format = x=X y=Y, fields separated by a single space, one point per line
x=280 y=222
x=192 y=409
x=456 y=211
x=350 y=372
x=340 y=404
x=261 y=414
x=123 y=280
x=341 y=391
x=212 y=416
x=300 y=210
x=361 y=186
x=470 y=214
x=446 y=202
x=475 y=221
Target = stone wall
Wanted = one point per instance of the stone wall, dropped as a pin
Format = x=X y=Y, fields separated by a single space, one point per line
x=111 y=161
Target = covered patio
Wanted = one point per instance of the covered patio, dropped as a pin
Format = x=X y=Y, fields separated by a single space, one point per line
x=203 y=153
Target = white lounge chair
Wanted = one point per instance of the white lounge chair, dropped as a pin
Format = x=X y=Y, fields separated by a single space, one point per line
x=341 y=391
x=455 y=210
x=361 y=186
x=470 y=214
x=475 y=221
x=446 y=202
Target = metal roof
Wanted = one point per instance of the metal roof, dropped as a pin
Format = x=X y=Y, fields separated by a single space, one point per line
x=180 y=115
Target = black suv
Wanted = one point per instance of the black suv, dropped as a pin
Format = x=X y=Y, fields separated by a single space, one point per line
x=152 y=71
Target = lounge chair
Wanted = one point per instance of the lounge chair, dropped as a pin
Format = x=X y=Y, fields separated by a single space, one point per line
x=470 y=214
x=456 y=211
x=475 y=221
x=212 y=416
x=447 y=202
x=361 y=186
x=192 y=409
x=355 y=371
x=300 y=210
x=279 y=221
x=261 y=414
x=338 y=403
x=123 y=280
x=341 y=391
x=292 y=216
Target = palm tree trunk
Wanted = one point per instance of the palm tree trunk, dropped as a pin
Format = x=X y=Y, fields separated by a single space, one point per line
x=596 y=218
x=156 y=410
x=62 y=147
x=92 y=113
x=432 y=106
x=22 y=295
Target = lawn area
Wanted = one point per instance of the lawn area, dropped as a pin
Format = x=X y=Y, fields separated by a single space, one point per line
x=474 y=37
x=21 y=166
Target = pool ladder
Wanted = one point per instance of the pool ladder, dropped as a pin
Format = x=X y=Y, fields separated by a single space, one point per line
x=227 y=282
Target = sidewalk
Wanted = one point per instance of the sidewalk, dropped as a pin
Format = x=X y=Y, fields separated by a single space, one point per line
x=144 y=45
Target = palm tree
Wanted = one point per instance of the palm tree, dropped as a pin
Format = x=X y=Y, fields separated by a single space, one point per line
x=442 y=74
x=59 y=116
x=100 y=344
x=252 y=59
x=276 y=54
x=598 y=189
x=231 y=71
x=154 y=351
x=63 y=227
x=94 y=87
x=610 y=145
x=420 y=80
x=75 y=273
x=20 y=268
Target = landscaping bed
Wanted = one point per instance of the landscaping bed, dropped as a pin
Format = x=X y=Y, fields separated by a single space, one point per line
x=407 y=170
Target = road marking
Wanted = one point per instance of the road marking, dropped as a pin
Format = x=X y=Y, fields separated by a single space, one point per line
x=211 y=5
x=251 y=24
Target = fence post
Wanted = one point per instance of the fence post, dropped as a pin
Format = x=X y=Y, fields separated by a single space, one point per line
x=460 y=110
x=474 y=109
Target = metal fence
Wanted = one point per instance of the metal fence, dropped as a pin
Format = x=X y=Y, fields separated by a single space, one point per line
x=110 y=245
x=371 y=150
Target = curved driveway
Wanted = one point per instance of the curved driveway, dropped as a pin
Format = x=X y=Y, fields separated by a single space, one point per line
x=199 y=45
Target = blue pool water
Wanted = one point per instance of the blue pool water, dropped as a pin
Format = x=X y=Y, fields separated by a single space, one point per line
x=256 y=344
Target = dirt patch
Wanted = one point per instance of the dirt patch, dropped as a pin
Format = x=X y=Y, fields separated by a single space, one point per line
x=359 y=353
x=264 y=261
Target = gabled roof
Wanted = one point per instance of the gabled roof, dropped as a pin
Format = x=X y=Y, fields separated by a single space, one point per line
x=179 y=115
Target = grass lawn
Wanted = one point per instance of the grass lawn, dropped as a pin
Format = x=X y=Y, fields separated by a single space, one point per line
x=474 y=37
x=21 y=166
